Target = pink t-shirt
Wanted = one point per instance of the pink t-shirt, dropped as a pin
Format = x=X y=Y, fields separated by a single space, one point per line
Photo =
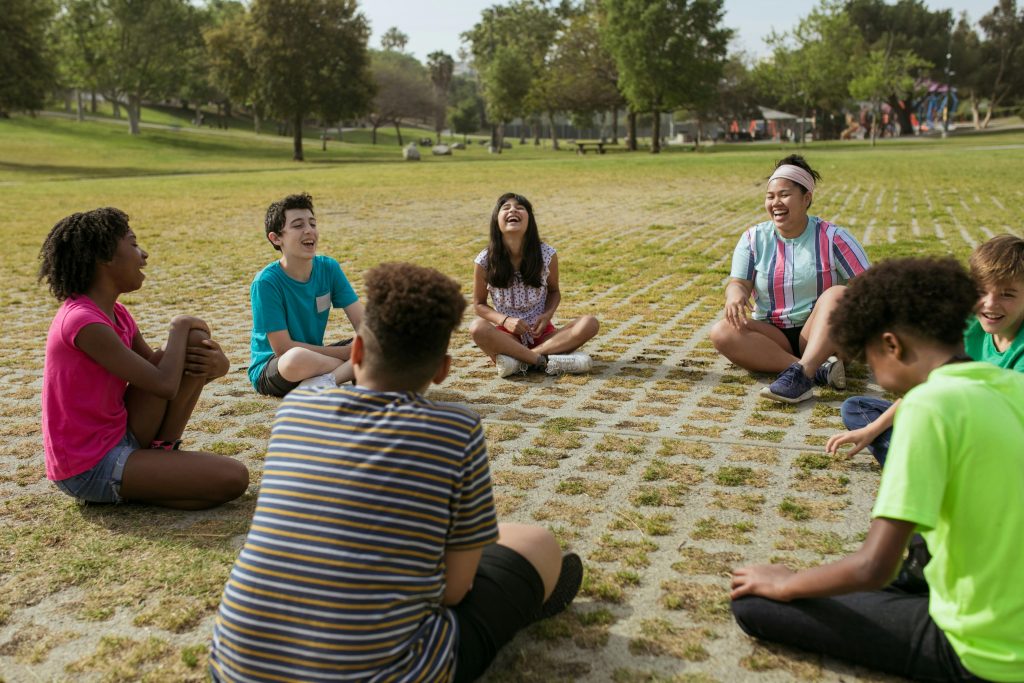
x=83 y=404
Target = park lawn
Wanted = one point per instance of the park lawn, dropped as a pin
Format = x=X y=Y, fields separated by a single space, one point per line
x=662 y=468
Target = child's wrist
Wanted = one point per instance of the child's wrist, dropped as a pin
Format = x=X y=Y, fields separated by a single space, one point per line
x=503 y=322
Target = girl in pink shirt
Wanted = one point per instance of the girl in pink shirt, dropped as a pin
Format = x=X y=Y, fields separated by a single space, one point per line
x=114 y=409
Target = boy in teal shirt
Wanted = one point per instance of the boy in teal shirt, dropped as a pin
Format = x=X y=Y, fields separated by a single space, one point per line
x=993 y=336
x=291 y=301
x=954 y=474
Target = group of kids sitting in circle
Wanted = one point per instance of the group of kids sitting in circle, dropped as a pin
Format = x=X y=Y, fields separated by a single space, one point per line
x=374 y=551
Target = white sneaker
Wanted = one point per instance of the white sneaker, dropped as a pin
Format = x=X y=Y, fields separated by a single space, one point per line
x=326 y=381
x=568 y=362
x=507 y=365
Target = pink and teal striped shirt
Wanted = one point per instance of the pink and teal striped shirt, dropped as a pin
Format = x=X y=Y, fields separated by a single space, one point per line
x=790 y=274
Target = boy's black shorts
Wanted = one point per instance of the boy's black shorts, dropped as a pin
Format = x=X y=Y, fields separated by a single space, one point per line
x=506 y=597
x=271 y=383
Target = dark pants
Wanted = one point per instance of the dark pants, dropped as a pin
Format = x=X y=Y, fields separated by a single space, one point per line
x=887 y=630
x=860 y=411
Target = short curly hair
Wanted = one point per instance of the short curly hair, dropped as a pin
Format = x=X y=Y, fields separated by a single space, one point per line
x=411 y=312
x=274 y=222
x=75 y=245
x=927 y=297
x=998 y=261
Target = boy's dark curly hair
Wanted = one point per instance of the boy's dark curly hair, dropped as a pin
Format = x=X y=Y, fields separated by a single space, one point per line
x=410 y=314
x=274 y=222
x=75 y=245
x=927 y=297
x=998 y=261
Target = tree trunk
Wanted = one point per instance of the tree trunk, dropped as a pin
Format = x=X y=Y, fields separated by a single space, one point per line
x=398 y=131
x=656 y=133
x=134 y=106
x=988 y=116
x=199 y=115
x=80 y=104
x=554 y=130
x=92 y=106
x=494 y=139
x=975 y=114
x=67 y=100
x=297 y=139
x=501 y=137
x=874 y=124
x=631 y=130
x=323 y=140
x=116 y=104
x=256 y=120
x=373 y=135
x=615 y=125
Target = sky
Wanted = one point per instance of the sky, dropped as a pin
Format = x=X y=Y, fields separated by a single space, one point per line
x=436 y=25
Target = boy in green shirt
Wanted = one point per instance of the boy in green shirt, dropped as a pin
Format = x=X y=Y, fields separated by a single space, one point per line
x=993 y=335
x=954 y=474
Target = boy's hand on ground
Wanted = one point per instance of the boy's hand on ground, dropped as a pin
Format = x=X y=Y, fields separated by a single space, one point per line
x=207 y=360
x=766 y=580
x=860 y=438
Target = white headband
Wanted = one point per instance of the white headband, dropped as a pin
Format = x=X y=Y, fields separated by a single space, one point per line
x=796 y=174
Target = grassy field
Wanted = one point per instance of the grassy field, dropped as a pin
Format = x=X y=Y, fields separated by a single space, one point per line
x=661 y=468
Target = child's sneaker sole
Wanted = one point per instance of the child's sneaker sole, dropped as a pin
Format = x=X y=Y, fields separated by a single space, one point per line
x=766 y=392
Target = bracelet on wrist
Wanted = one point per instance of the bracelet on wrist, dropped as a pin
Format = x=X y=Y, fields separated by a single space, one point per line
x=503 y=322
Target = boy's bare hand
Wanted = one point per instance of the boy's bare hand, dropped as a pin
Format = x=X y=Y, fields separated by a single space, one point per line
x=860 y=438
x=206 y=361
x=766 y=580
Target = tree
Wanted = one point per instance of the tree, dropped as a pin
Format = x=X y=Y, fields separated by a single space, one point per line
x=402 y=90
x=885 y=74
x=232 y=64
x=78 y=34
x=393 y=39
x=812 y=66
x=914 y=29
x=138 y=66
x=28 y=68
x=1002 y=54
x=669 y=53
x=311 y=59
x=513 y=42
x=967 y=66
x=441 y=67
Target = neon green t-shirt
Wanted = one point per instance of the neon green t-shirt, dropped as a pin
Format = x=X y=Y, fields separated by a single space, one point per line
x=956 y=470
x=979 y=345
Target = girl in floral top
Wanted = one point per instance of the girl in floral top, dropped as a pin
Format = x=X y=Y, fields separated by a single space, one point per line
x=521 y=275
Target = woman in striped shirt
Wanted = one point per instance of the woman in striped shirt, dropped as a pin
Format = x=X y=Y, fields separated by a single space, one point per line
x=795 y=266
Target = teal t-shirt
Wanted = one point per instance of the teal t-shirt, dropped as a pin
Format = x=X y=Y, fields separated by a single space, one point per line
x=956 y=470
x=302 y=308
x=979 y=345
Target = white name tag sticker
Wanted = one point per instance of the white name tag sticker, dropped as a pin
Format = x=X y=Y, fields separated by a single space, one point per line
x=323 y=302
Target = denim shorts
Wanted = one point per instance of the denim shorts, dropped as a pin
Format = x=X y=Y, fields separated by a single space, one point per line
x=102 y=483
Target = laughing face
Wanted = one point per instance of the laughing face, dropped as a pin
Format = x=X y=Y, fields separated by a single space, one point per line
x=299 y=237
x=786 y=204
x=1001 y=310
x=127 y=264
x=512 y=217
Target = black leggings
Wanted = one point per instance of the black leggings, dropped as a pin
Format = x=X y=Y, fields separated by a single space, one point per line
x=885 y=630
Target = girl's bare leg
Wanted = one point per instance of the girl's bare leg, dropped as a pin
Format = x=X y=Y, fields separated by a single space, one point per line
x=571 y=337
x=187 y=480
x=493 y=341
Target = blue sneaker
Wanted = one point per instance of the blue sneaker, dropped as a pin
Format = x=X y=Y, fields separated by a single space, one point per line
x=791 y=386
x=831 y=373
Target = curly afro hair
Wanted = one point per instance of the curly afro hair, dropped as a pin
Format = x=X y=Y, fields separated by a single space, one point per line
x=274 y=222
x=411 y=312
x=75 y=245
x=927 y=297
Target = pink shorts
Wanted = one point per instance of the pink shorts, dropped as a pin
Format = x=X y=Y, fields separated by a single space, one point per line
x=548 y=331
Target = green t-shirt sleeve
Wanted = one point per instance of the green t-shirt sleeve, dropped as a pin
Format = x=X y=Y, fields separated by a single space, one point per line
x=916 y=470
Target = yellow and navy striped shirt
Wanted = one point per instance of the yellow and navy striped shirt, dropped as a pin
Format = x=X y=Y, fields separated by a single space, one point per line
x=341 y=575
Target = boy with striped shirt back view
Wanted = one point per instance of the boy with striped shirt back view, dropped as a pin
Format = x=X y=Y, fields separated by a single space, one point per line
x=372 y=553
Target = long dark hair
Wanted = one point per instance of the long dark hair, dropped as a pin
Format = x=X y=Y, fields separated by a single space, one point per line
x=499 y=265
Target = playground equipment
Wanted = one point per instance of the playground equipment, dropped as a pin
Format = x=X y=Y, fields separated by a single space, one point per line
x=940 y=102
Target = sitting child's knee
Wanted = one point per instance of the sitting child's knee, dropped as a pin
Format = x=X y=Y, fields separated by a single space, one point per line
x=477 y=326
x=233 y=480
x=196 y=336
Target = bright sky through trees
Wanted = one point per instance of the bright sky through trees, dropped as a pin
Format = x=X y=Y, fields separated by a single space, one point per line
x=436 y=26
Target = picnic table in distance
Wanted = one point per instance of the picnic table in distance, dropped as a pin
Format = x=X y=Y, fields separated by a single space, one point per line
x=599 y=145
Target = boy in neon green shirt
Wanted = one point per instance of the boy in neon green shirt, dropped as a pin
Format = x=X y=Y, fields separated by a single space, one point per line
x=954 y=474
